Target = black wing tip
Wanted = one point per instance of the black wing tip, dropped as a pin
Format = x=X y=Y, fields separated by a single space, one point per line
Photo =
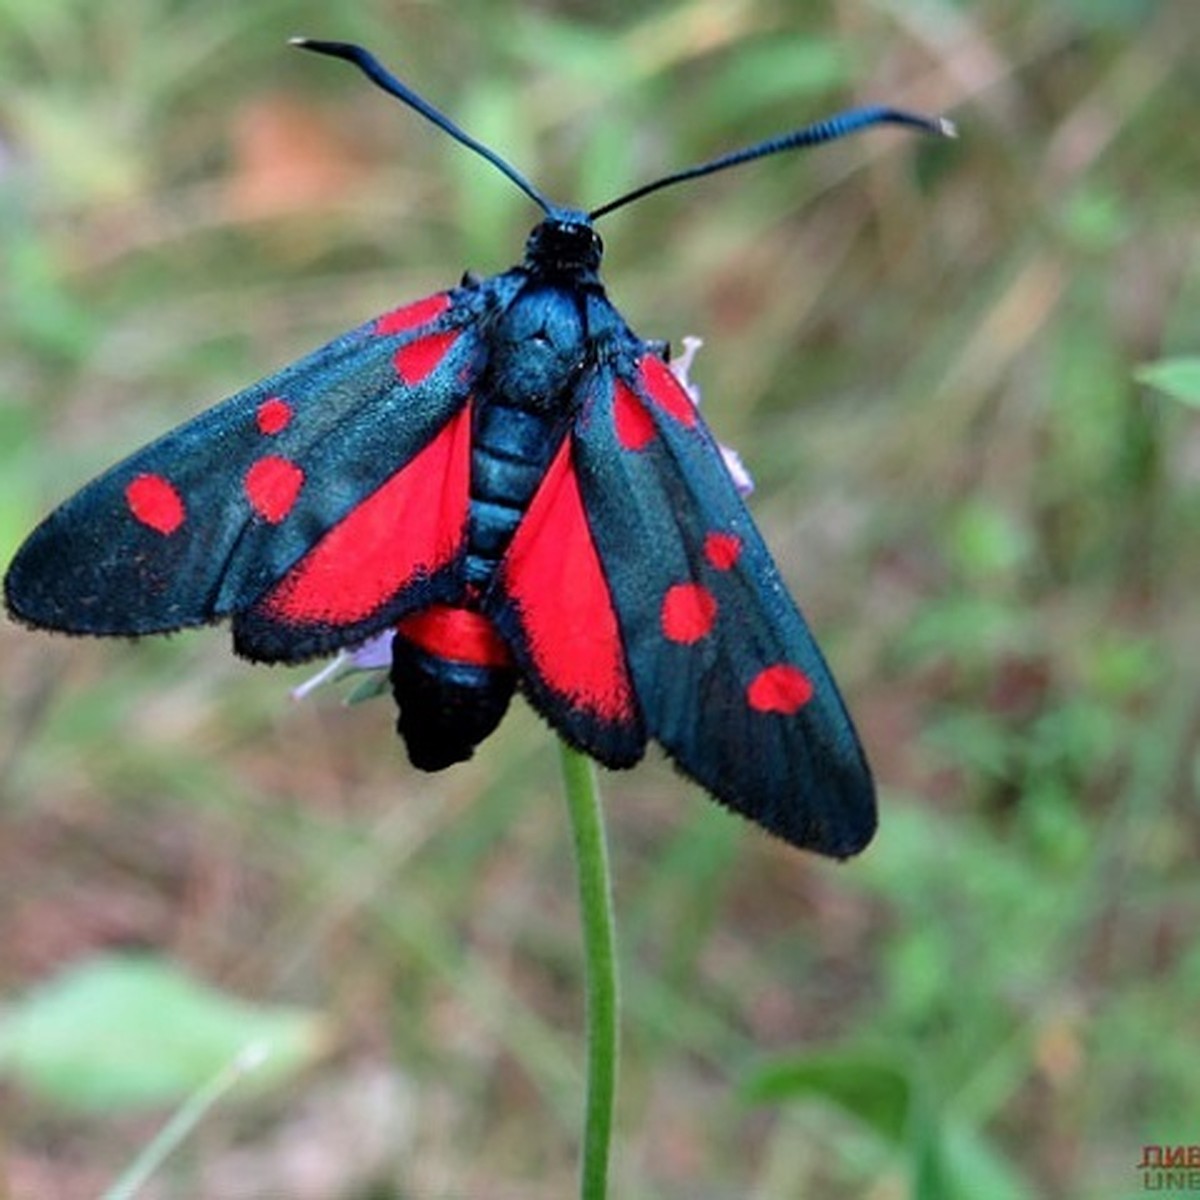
x=24 y=611
x=834 y=827
x=844 y=826
x=849 y=843
x=832 y=834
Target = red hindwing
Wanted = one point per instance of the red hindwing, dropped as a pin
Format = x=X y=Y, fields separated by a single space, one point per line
x=411 y=526
x=563 y=609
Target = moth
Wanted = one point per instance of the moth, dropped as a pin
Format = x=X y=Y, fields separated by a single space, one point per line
x=514 y=484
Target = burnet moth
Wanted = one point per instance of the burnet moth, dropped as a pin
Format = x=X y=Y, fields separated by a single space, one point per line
x=515 y=484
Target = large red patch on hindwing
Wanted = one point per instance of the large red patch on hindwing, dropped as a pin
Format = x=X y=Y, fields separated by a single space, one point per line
x=409 y=527
x=553 y=575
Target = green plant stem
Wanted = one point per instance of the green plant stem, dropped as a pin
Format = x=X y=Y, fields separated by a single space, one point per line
x=599 y=944
x=185 y=1120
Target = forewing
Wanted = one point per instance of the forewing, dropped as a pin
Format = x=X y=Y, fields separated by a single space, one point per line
x=726 y=672
x=211 y=517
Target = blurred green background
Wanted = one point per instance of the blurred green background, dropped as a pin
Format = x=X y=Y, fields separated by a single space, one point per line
x=926 y=354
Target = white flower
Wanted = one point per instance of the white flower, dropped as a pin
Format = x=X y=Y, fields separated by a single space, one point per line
x=375 y=654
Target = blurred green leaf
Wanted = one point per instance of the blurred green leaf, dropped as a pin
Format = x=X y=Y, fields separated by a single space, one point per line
x=489 y=205
x=782 y=71
x=916 y=968
x=371 y=687
x=1114 y=14
x=874 y=1090
x=1096 y=219
x=1073 y=735
x=985 y=540
x=80 y=148
x=1053 y=821
x=130 y=1031
x=584 y=53
x=1179 y=378
x=947 y=1160
x=1118 y=665
x=50 y=319
x=972 y=1169
x=967 y=629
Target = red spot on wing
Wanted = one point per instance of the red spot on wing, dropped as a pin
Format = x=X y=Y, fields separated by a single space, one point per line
x=458 y=634
x=723 y=550
x=665 y=390
x=688 y=612
x=273 y=416
x=272 y=485
x=634 y=427
x=421 y=312
x=409 y=527
x=417 y=360
x=154 y=501
x=781 y=688
x=553 y=575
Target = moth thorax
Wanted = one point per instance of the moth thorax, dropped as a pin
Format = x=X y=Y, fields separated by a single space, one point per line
x=538 y=348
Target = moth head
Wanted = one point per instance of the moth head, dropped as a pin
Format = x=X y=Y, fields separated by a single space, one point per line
x=565 y=243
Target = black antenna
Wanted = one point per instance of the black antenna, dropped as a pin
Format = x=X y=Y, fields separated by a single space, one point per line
x=374 y=70
x=828 y=130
